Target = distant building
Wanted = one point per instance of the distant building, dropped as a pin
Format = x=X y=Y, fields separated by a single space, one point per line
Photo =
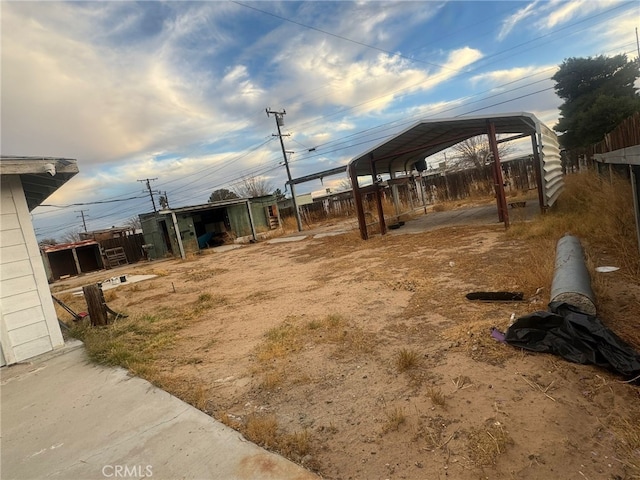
x=178 y=231
x=28 y=320
x=107 y=233
x=71 y=259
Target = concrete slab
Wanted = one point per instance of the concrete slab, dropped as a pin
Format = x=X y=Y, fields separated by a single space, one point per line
x=296 y=238
x=226 y=248
x=479 y=215
x=330 y=234
x=115 y=282
x=63 y=417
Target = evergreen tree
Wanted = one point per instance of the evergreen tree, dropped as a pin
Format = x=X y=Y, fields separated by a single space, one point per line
x=598 y=94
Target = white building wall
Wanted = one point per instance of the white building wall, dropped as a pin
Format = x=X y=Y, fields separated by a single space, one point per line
x=28 y=321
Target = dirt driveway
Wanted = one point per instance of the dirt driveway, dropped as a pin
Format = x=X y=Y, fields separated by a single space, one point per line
x=364 y=360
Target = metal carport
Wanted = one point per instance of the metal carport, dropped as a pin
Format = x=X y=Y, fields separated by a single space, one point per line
x=407 y=150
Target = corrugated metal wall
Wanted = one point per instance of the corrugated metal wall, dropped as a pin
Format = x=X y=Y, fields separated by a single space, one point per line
x=551 y=165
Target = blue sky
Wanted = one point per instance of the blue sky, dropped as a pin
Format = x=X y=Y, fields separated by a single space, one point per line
x=177 y=90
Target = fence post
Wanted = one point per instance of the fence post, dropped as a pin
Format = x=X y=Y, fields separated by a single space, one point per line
x=95 y=305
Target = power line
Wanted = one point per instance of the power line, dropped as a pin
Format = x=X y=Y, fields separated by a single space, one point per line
x=147 y=180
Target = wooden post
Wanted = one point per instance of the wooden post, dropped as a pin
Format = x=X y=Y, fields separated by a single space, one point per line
x=357 y=199
x=95 y=305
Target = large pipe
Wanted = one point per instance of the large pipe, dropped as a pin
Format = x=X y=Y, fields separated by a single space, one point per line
x=571 y=281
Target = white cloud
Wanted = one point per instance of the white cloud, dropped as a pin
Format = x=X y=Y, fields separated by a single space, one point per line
x=70 y=97
x=508 y=76
x=511 y=21
x=560 y=11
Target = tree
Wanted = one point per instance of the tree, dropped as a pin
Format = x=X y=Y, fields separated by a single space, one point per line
x=46 y=242
x=278 y=194
x=72 y=236
x=598 y=94
x=253 y=187
x=134 y=223
x=475 y=152
x=222 y=194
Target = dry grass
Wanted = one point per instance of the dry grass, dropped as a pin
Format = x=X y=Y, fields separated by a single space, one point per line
x=594 y=208
x=436 y=396
x=487 y=443
x=406 y=359
x=205 y=274
x=264 y=431
x=132 y=343
x=474 y=337
x=292 y=335
x=461 y=382
x=395 y=418
x=626 y=431
x=599 y=211
x=272 y=380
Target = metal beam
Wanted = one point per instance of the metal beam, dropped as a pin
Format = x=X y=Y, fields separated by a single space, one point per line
x=315 y=176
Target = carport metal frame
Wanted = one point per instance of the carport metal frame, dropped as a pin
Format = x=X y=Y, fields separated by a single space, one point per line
x=428 y=137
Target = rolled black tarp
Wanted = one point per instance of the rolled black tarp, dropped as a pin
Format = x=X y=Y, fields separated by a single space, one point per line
x=576 y=336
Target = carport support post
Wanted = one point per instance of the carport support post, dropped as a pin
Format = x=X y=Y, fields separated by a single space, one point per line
x=374 y=174
x=503 y=214
x=357 y=199
x=394 y=194
x=538 y=169
x=422 y=192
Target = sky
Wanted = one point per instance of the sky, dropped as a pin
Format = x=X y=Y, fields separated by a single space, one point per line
x=177 y=92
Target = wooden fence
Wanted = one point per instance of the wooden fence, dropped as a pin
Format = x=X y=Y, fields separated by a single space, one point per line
x=132 y=245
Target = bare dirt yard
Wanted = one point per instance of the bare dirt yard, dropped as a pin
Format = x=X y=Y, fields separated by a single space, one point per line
x=364 y=360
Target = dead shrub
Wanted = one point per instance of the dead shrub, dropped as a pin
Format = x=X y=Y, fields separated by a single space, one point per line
x=488 y=442
x=395 y=418
x=406 y=359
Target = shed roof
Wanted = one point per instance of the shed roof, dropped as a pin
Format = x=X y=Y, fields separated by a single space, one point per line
x=68 y=246
x=428 y=137
x=37 y=183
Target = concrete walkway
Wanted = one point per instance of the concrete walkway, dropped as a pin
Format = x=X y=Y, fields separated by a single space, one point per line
x=65 y=418
x=479 y=215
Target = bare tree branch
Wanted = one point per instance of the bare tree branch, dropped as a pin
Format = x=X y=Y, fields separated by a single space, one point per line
x=253 y=187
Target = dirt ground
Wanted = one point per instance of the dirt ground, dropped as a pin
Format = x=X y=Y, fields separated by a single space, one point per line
x=371 y=354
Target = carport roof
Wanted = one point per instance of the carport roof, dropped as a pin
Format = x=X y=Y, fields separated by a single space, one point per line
x=428 y=137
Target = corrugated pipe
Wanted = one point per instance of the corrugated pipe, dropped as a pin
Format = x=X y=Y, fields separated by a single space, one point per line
x=571 y=281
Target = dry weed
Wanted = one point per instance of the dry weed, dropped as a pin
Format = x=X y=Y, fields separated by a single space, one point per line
x=626 y=431
x=488 y=442
x=272 y=380
x=436 y=396
x=406 y=359
x=461 y=382
x=475 y=338
x=263 y=430
x=395 y=418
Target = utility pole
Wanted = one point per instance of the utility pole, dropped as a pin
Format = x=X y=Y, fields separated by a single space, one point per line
x=147 y=180
x=279 y=122
x=164 y=200
x=84 y=222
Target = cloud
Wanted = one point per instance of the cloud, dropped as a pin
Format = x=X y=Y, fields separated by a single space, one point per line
x=567 y=11
x=76 y=95
x=499 y=78
x=511 y=21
